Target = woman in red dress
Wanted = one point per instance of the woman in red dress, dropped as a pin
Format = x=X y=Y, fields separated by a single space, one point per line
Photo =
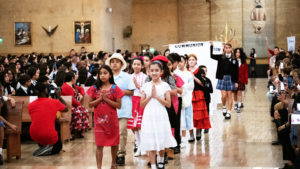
x=105 y=96
x=200 y=114
x=80 y=116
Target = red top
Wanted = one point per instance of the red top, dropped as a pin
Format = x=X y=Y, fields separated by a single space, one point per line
x=106 y=123
x=179 y=83
x=67 y=90
x=43 y=114
x=243 y=73
x=271 y=52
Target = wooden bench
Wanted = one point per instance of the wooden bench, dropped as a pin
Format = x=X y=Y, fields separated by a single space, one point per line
x=65 y=119
x=85 y=103
x=14 y=116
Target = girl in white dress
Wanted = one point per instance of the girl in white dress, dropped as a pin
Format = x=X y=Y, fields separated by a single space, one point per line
x=156 y=134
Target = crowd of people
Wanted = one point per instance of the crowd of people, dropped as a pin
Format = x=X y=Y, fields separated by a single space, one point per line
x=161 y=98
x=284 y=87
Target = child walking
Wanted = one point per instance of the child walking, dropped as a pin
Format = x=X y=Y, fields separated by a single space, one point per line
x=227 y=75
x=105 y=96
x=200 y=114
x=137 y=111
x=186 y=119
x=243 y=78
x=156 y=134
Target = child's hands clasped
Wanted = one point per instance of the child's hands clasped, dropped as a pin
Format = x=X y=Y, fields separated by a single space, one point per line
x=153 y=94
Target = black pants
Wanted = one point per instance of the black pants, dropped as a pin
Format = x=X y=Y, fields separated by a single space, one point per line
x=177 y=126
x=207 y=105
x=175 y=120
x=58 y=145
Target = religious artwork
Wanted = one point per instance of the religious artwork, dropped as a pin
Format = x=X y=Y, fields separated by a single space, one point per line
x=22 y=33
x=82 y=32
x=258 y=17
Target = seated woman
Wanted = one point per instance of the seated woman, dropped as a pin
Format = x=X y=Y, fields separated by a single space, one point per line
x=80 y=116
x=8 y=90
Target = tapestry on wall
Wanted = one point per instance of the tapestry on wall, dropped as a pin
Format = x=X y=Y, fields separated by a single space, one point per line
x=82 y=32
x=22 y=33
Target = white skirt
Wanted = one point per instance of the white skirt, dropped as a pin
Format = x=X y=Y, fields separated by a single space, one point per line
x=156 y=133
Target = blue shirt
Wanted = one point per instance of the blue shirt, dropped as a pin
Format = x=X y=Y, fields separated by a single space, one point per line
x=124 y=81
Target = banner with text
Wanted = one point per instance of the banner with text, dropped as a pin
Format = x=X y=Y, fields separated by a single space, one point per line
x=202 y=51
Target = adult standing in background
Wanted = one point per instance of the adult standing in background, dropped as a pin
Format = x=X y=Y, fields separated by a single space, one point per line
x=253 y=63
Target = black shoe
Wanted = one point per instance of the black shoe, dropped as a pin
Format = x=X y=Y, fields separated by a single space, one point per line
x=120 y=161
x=1 y=159
x=191 y=139
x=135 y=148
x=206 y=131
x=228 y=116
x=242 y=105
x=149 y=164
x=198 y=138
x=177 y=150
x=275 y=143
x=166 y=158
x=43 y=151
x=161 y=166
x=286 y=166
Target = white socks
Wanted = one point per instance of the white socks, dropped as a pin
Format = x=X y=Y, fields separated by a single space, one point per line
x=224 y=109
x=153 y=166
x=239 y=104
x=137 y=139
x=228 y=111
x=0 y=151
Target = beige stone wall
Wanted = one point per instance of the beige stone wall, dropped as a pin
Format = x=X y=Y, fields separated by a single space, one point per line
x=227 y=12
x=105 y=26
x=194 y=20
x=155 y=22
x=287 y=21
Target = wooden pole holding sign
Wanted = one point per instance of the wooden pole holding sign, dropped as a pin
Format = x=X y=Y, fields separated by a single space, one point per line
x=268 y=51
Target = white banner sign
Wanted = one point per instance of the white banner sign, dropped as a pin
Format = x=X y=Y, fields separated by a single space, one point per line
x=291 y=41
x=202 y=51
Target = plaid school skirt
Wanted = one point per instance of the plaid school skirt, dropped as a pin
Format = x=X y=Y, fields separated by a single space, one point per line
x=226 y=84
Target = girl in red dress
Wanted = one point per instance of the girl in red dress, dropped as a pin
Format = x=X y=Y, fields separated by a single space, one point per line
x=135 y=123
x=105 y=97
x=200 y=114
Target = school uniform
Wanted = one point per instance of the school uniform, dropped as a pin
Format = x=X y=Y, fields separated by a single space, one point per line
x=227 y=71
x=24 y=91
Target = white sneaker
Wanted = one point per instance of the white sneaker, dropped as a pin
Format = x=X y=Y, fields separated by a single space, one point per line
x=138 y=153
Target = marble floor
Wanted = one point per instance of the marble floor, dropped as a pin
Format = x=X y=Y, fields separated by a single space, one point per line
x=244 y=142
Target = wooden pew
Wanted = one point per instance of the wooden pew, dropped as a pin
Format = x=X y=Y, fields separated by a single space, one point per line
x=85 y=103
x=65 y=120
x=14 y=116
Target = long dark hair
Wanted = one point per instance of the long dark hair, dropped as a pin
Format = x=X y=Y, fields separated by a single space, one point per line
x=99 y=83
x=242 y=54
x=131 y=63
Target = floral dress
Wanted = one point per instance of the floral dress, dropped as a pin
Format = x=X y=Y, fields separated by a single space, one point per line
x=106 y=123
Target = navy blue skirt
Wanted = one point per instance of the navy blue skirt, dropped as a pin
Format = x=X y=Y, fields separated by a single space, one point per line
x=226 y=84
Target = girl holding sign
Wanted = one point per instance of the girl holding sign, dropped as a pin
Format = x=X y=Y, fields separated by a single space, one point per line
x=227 y=75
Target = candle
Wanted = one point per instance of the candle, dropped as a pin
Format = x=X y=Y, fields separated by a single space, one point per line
x=49 y=28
